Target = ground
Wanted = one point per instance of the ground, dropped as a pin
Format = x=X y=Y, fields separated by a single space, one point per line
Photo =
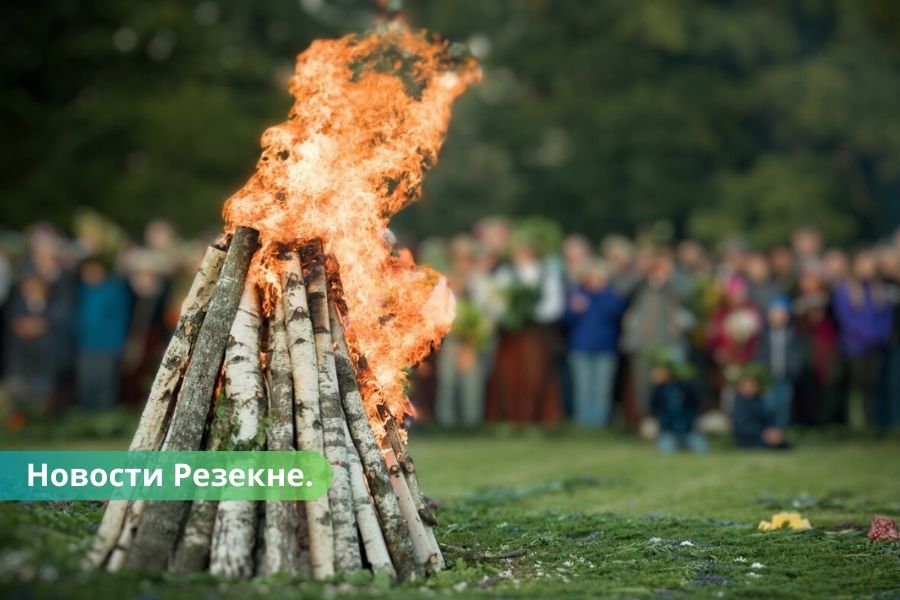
x=564 y=515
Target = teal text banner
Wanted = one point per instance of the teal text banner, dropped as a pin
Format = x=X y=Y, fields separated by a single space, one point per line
x=247 y=475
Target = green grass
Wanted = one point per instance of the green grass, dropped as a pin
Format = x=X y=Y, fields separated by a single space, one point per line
x=580 y=516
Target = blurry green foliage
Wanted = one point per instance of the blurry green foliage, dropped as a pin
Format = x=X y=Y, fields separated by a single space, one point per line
x=141 y=109
x=471 y=324
x=717 y=116
x=542 y=235
x=520 y=302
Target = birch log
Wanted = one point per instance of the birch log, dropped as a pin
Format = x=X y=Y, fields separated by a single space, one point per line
x=392 y=434
x=366 y=517
x=126 y=536
x=304 y=568
x=192 y=550
x=408 y=469
x=280 y=533
x=107 y=533
x=234 y=532
x=394 y=528
x=346 y=540
x=422 y=548
x=151 y=428
x=259 y=551
x=308 y=424
x=433 y=545
x=155 y=539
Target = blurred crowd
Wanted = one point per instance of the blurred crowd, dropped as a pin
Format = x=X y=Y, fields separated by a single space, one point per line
x=672 y=338
x=675 y=338
x=86 y=317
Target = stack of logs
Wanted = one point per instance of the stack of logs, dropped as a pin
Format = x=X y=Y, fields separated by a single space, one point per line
x=234 y=379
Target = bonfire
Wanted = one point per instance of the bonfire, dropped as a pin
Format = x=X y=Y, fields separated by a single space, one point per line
x=300 y=324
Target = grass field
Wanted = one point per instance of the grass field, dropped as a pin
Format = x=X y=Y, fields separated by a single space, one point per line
x=566 y=515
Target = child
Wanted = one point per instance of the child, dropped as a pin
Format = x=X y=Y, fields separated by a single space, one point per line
x=102 y=328
x=753 y=425
x=675 y=405
x=780 y=353
x=593 y=313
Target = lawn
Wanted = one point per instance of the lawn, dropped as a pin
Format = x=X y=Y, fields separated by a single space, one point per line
x=566 y=515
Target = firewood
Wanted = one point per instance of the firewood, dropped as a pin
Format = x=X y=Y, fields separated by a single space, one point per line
x=155 y=539
x=393 y=526
x=346 y=540
x=234 y=539
x=126 y=536
x=234 y=532
x=259 y=549
x=366 y=517
x=280 y=533
x=304 y=568
x=151 y=429
x=308 y=424
x=192 y=551
x=407 y=467
x=405 y=460
x=280 y=432
x=423 y=550
x=307 y=382
x=107 y=533
x=282 y=553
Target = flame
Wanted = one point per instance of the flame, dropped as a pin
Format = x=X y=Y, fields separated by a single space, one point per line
x=369 y=117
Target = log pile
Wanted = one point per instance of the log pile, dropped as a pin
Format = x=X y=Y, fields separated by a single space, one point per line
x=234 y=378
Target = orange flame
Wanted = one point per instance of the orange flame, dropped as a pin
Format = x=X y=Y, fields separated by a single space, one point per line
x=369 y=117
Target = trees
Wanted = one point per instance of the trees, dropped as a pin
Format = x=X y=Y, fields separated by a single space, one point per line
x=722 y=117
x=718 y=116
x=139 y=109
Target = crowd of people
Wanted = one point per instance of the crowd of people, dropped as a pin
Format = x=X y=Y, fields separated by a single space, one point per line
x=671 y=338
x=682 y=338
x=86 y=318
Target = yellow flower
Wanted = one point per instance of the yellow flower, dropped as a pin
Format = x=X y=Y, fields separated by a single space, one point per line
x=785 y=520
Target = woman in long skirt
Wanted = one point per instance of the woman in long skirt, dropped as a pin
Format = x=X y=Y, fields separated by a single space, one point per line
x=524 y=386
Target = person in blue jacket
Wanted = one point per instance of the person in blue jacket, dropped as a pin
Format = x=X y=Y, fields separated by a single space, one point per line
x=592 y=317
x=104 y=306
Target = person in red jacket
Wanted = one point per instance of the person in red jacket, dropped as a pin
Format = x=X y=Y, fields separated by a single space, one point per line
x=736 y=326
x=734 y=333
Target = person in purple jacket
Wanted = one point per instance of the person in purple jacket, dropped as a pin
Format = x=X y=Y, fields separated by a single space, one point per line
x=593 y=313
x=865 y=318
